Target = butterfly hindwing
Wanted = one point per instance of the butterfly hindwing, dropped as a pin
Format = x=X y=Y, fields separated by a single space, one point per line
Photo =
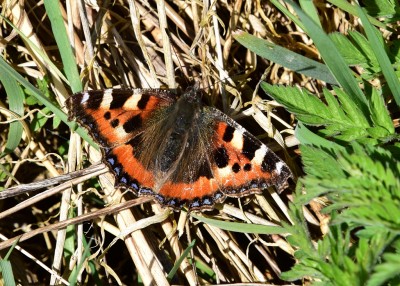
x=242 y=164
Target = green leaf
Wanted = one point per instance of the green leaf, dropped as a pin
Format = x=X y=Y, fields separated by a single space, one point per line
x=335 y=108
x=353 y=113
x=7 y=273
x=343 y=121
x=299 y=236
x=335 y=264
x=366 y=183
x=307 y=137
x=180 y=260
x=380 y=53
x=308 y=108
x=285 y=57
x=357 y=51
x=322 y=169
x=348 y=50
x=378 y=132
x=379 y=113
x=5 y=69
x=387 y=270
x=319 y=163
x=352 y=134
x=365 y=49
x=382 y=8
x=352 y=10
x=333 y=60
x=63 y=44
x=15 y=97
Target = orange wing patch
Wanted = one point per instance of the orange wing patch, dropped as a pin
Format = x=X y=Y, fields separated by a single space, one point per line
x=185 y=191
x=128 y=170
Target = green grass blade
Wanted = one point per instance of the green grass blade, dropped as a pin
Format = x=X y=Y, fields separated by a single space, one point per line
x=6 y=70
x=7 y=273
x=309 y=7
x=63 y=43
x=352 y=10
x=73 y=278
x=333 y=60
x=15 y=96
x=288 y=14
x=285 y=57
x=50 y=65
x=381 y=56
x=6 y=267
x=179 y=261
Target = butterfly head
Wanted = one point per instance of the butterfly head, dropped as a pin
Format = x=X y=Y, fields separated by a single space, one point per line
x=193 y=94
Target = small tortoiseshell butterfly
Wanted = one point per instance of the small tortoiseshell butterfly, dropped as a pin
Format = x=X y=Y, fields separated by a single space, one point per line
x=176 y=149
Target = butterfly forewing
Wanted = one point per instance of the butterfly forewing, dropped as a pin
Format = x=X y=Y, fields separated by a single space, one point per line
x=115 y=116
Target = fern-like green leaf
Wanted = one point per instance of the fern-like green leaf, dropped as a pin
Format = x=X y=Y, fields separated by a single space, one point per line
x=356 y=51
x=308 y=108
x=340 y=116
x=387 y=270
x=351 y=109
x=365 y=188
x=379 y=113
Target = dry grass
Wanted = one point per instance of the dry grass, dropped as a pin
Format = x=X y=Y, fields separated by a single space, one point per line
x=134 y=44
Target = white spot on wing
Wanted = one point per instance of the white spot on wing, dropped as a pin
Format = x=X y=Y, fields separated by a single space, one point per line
x=279 y=166
x=237 y=140
x=132 y=101
x=120 y=131
x=85 y=97
x=107 y=99
x=224 y=172
x=259 y=155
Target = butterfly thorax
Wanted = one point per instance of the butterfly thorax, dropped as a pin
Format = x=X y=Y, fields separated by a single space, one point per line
x=179 y=124
x=173 y=137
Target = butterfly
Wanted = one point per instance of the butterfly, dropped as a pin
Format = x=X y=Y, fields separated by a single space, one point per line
x=175 y=148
